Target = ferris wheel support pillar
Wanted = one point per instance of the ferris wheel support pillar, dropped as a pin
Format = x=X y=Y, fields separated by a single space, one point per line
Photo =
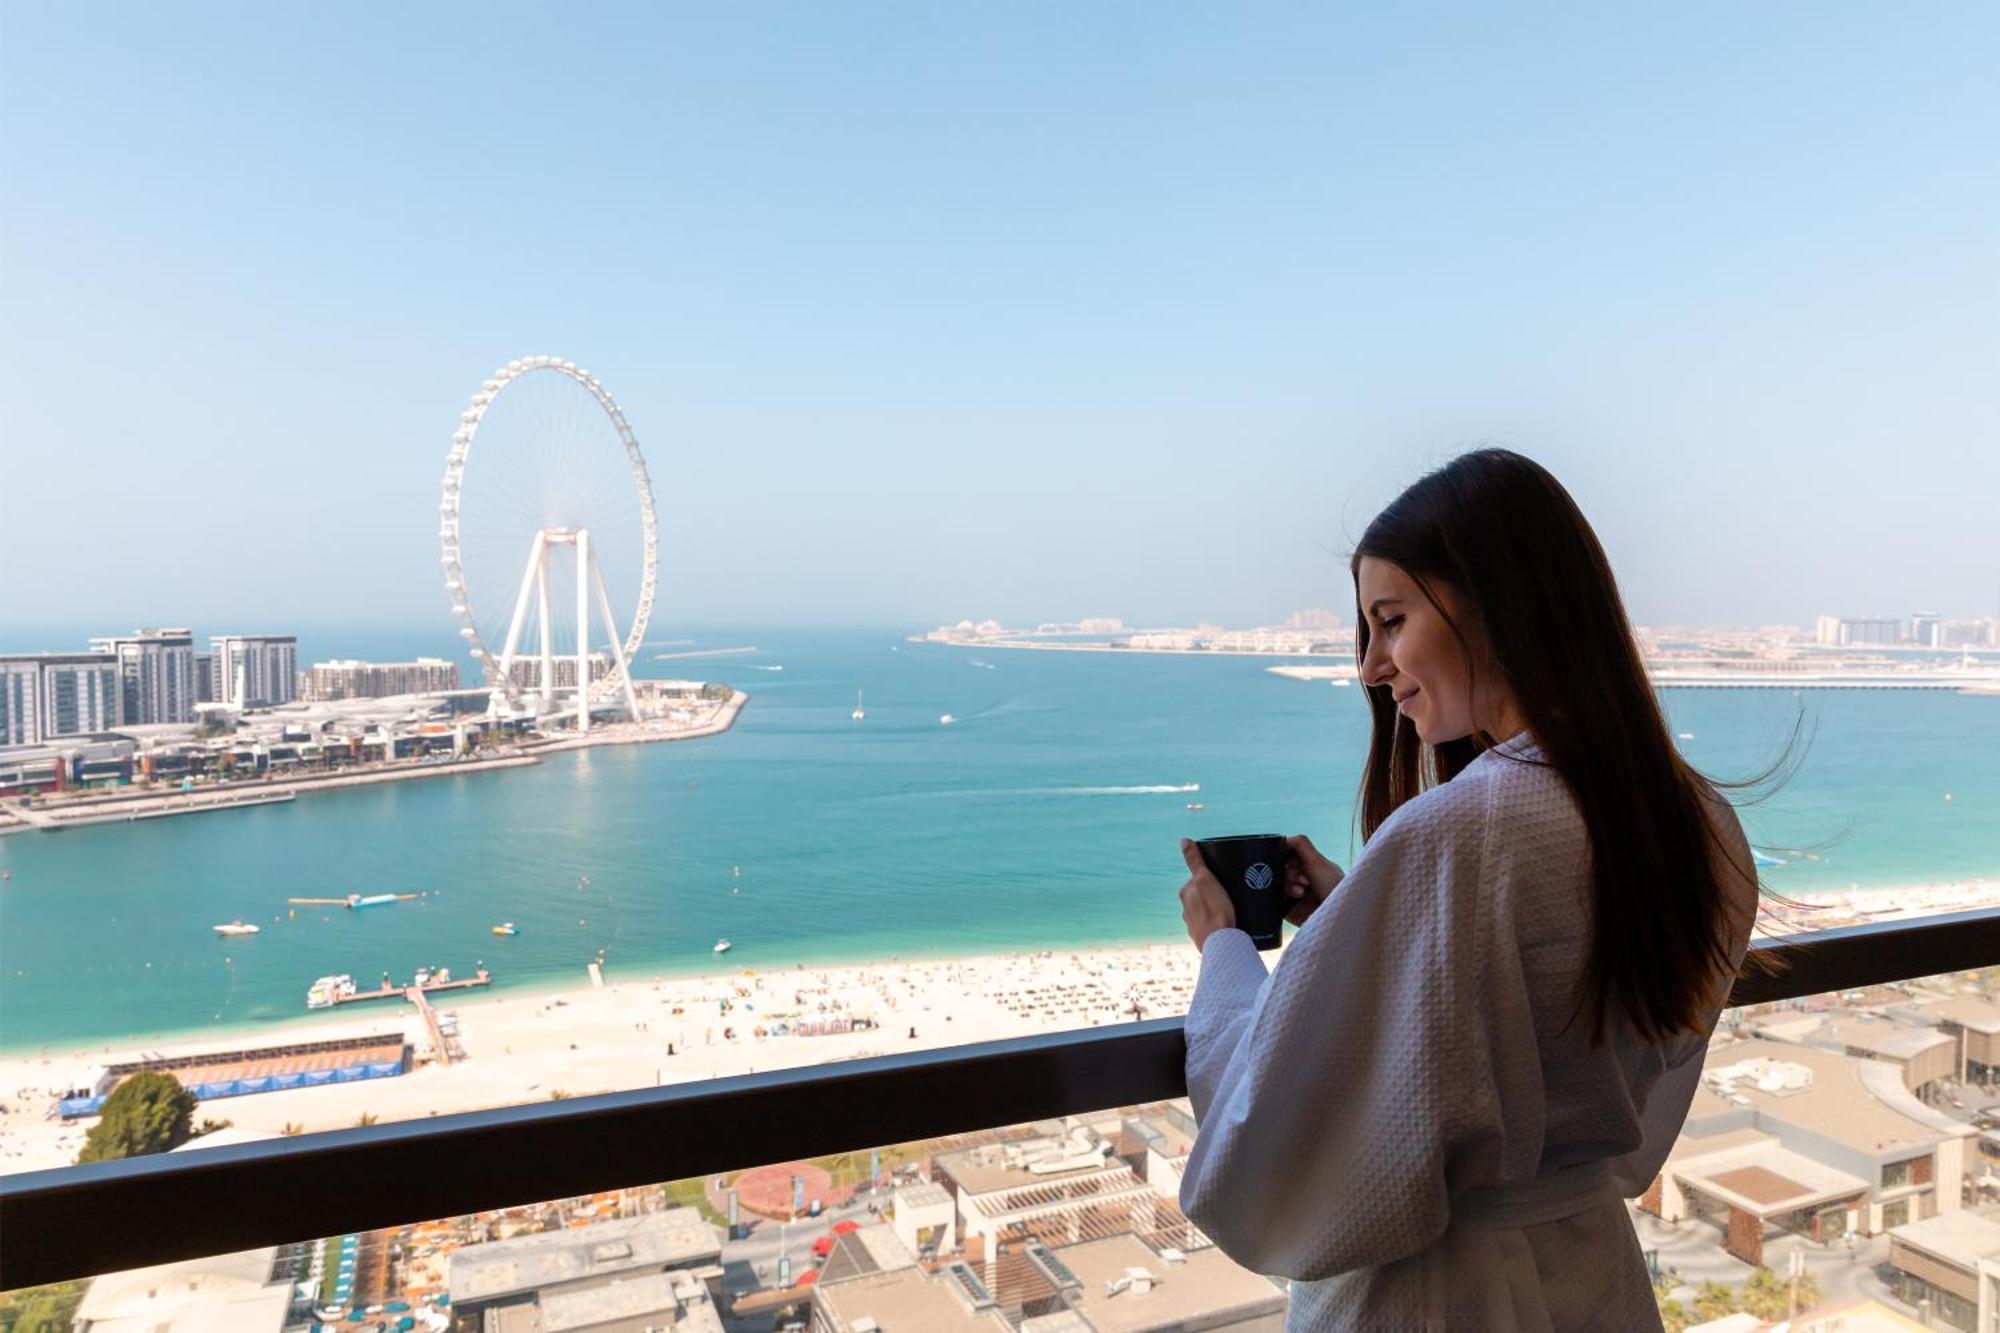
x=548 y=677
x=617 y=643
x=538 y=555
x=583 y=559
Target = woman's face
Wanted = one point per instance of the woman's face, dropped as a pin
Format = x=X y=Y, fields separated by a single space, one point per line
x=1413 y=651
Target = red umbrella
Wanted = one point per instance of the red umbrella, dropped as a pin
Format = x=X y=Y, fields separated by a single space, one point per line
x=842 y=1228
x=807 y=1278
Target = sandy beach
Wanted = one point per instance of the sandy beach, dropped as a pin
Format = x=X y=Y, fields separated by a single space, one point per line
x=638 y=1031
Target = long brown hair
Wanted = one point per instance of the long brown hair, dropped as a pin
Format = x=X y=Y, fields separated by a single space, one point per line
x=1523 y=563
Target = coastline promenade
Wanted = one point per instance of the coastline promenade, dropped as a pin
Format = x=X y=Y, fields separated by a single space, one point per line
x=125 y=804
x=639 y=1030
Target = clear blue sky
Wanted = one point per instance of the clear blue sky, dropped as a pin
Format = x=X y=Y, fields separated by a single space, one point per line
x=1034 y=310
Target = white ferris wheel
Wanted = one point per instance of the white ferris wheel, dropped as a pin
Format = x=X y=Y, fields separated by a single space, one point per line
x=559 y=501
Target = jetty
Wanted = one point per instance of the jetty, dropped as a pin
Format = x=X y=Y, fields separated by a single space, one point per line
x=389 y=990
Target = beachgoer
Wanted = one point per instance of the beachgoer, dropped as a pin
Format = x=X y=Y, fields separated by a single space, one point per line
x=1486 y=1034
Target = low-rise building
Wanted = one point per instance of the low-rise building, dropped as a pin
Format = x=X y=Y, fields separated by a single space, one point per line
x=1974 y=1027
x=1834 y=1143
x=1937 y=1262
x=250 y=1291
x=504 y=1276
x=951 y=1299
x=675 y=1302
x=1124 y=1285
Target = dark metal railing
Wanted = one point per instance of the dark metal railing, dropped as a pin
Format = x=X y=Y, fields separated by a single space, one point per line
x=81 y=1220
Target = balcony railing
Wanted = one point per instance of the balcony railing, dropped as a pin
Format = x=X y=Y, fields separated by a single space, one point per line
x=82 y=1220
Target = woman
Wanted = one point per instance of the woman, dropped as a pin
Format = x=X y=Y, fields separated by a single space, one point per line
x=1485 y=1036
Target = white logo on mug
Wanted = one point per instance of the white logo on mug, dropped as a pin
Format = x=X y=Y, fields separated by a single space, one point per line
x=1257 y=876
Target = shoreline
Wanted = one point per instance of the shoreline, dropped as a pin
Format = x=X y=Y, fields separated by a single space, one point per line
x=643 y=1027
x=1115 y=648
x=1815 y=909
x=127 y=804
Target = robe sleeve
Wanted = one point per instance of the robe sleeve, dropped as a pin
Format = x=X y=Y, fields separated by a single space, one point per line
x=1330 y=1096
x=1661 y=1120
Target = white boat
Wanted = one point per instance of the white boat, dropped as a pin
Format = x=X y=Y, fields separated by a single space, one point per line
x=506 y=928
x=723 y=946
x=1684 y=736
x=946 y=720
x=858 y=713
x=236 y=928
x=329 y=991
x=1196 y=805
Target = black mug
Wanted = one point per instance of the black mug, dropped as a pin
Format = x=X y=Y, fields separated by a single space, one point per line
x=1251 y=867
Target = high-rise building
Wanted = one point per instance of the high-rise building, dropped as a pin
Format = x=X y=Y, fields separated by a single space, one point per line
x=327 y=681
x=46 y=695
x=1826 y=631
x=155 y=674
x=1856 y=632
x=527 y=671
x=205 y=691
x=256 y=670
x=1924 y=629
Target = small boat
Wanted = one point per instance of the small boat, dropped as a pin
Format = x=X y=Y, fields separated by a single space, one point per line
x=1196 y=805
x=506 y=928
x=736 y=872
x=858 y=711
x=723 y=946
x=236 y=928
x=946 y=720
x=1684 y=735
x=355 y=900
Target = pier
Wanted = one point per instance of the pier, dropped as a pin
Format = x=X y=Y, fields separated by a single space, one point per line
x=389 y=990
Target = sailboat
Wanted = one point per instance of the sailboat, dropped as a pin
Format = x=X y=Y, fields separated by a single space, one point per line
x=858 y=713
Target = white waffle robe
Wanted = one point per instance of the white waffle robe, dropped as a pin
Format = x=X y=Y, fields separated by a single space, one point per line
x=1397 y=1117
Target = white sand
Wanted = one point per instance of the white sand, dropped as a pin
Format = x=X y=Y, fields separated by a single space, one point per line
x=524 y=1047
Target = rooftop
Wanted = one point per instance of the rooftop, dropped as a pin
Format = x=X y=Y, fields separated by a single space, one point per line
x=908 y=1298
x=1000 y=1166
x=1978 y=1015
x=1193 y=1292
x=871 y=1249
x=674 y=1300
x=1961 y=1239
x=1881 y=1038
x=229 y=1293
x=1832 y=1100
x=927 y=1195
x=677 y=1237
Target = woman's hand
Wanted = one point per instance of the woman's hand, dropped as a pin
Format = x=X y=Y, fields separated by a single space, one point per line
x=1205 y=905
x=1309 y=877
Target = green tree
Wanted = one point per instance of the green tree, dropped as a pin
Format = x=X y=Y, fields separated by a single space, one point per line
x=1769 y=1296
x=50 y=1309
x=147 y=1113
x=1714 y=1300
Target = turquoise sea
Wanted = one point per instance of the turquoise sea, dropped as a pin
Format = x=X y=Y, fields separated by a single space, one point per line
x=1046 y=816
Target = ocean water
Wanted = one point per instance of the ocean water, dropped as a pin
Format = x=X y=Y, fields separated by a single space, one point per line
x=1046 y=816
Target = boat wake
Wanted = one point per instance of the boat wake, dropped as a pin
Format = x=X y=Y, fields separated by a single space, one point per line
x=1154 y=789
